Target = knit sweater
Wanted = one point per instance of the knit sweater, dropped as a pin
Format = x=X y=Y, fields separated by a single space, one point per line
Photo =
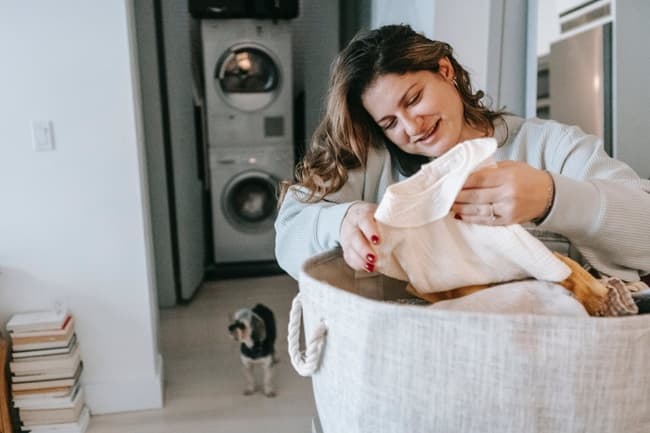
x=601 y=205
x=425 y=245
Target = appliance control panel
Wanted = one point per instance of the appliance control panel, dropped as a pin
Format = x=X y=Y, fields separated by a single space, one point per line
x=250 y=156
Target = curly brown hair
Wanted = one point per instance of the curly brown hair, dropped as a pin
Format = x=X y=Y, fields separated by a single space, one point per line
x=340 y=142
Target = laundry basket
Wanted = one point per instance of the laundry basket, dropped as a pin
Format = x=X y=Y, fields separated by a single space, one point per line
x=388 y=367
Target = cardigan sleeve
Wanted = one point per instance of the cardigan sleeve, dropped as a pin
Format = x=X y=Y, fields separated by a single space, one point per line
x=304 y=229
x=600 y=204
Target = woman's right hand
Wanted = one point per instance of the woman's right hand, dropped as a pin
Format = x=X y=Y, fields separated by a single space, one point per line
x=358 y=235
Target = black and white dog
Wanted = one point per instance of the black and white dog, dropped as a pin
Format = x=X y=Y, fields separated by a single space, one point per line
x=255 y=330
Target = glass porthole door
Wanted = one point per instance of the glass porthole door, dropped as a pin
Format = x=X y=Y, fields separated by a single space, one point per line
x=249 y=201
x=247 y=77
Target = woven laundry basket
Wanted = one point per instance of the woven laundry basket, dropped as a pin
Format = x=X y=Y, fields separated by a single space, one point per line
x=382 y=367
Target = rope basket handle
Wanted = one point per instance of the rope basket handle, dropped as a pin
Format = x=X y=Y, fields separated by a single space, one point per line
x=305 y=363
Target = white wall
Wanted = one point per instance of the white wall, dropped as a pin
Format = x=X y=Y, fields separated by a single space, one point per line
x=467 y=29
x=507 y=55
x=315 y=45
x=631 y=60
x=548 y=25
x=419 y=14
x=440 y=20
x=74 y=225
x=475 y=29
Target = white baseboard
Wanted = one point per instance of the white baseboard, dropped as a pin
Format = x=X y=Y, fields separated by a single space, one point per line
x=111 y=397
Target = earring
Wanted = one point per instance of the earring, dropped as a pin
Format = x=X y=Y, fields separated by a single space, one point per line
x=455 y=83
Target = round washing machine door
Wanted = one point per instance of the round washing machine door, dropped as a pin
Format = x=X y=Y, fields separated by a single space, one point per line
x=248 y=77
x=249 y=201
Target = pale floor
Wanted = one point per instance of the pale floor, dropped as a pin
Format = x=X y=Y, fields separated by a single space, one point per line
x=203 y=380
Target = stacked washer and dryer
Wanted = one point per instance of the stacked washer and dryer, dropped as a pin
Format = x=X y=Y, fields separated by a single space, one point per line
x=248 y=109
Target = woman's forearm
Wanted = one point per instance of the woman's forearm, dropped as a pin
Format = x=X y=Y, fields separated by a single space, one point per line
x=305 y=229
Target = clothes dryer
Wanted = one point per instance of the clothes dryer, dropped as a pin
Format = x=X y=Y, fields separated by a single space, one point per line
x=248 y=82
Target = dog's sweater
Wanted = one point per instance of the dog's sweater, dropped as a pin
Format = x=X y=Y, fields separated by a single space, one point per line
x=422 y=243
x=266 y=346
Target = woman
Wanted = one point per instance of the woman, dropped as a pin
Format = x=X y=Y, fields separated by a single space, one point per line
x=397 y=100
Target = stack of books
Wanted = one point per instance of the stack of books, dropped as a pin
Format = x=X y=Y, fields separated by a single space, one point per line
x=45 y=370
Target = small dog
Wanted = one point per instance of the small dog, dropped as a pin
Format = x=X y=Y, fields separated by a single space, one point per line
x=255 y=330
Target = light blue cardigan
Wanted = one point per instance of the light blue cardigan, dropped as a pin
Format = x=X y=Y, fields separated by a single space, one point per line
x=601 y=205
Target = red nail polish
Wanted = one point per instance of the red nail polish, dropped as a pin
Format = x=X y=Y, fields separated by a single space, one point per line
x=369 y=267
x=458 y=217
x=370 y=258
x=374 y=239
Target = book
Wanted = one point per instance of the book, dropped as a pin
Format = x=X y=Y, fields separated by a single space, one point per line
x=37 y=320
x=62 y=334
x=74 y=427
x=52 y=374
x=67 y=323
x=50 y=402
x=48 y=383
x=43 y=344
x=57 y=391
x=40 y=365
x=31 y=417
x=45 y=352
x=34 y=355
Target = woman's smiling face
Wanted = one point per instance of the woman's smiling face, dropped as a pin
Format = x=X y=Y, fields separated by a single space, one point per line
x=421 y=112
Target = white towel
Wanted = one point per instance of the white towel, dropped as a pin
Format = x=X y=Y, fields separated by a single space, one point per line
x=422 y=243
x=521 y=297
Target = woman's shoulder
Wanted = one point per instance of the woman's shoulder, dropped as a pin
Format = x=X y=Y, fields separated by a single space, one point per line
x=536 y=131
x=534 y=126
x=544 y=142
x=378 y=153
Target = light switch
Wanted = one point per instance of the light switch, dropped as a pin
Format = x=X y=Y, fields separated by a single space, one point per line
x=42 y=135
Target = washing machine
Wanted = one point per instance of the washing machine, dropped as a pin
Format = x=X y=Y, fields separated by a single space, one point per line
x=248 y=109
x=245 y=186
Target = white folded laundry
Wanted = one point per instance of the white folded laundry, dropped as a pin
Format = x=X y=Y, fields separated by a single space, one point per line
x=422 y=243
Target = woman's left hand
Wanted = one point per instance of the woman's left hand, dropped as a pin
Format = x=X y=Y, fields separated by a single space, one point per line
x=511 y=193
